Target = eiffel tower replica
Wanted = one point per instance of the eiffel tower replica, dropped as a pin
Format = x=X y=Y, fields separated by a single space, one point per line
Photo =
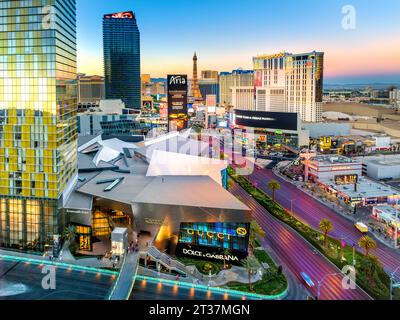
x=195 y=81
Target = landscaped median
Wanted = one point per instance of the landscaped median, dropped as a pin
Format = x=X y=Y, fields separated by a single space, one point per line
x=273 y=284
x=203 y=266
x=370 y=275
x=219 y=290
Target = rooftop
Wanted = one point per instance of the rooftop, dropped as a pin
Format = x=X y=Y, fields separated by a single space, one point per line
x=329 y=159
x=79 y=201
x=388 y=214
x=167 y=170
x=387 y=209
x=383 y=160
x=175 y=144
x=386 y=162
x=366 y=188
x=192 y=191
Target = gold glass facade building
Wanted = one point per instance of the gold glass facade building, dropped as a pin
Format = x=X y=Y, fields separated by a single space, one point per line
x=38 y=121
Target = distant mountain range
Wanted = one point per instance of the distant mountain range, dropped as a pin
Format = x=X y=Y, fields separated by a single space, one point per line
x=333 y=86
x=354 y=86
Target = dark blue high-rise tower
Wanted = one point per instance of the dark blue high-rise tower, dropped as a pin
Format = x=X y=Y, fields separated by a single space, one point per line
x=121 y=40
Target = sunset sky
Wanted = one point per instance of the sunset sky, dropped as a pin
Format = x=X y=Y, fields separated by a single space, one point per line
x=227 y=33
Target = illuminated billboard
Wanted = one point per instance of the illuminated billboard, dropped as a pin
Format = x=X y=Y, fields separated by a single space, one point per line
x=325 y=142
x=177 y=91
x=147 y=105
x=163 y=110
x=85 y=239
x=120 y=15
x=328 y=143
x=346 y=179
x=214 y=241
x=258 y=79
x=267 y=120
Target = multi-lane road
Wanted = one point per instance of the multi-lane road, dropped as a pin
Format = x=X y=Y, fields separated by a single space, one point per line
x=311 y=212
x=157 y=289
x=21 y=280
x=298 y=255
x=294 y=251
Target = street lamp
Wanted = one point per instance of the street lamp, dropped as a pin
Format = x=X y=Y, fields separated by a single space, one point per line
x=291 y=206
x=392 y=286
x=353 y=246
x=396 y=225
x=158 y=268
x=322 y=280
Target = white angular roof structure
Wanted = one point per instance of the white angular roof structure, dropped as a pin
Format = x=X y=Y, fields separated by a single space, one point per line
x=165 y=163
x=106 y=154
x=107 y=150
x=173 y=142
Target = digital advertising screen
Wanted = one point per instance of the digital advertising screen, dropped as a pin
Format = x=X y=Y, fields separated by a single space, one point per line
x=214 y=241
x=267 y=120
x=177 y=102
x=346 y=179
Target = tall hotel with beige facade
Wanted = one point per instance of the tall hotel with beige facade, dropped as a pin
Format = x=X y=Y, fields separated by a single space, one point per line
x=287 y=82
x=38 y=128
x=236 y=88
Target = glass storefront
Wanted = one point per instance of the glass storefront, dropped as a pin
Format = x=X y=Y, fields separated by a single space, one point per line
x=101 y=224
x=264 y=138
x=38 y=106
x=27 y=223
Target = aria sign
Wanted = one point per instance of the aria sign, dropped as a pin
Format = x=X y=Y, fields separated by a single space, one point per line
x=177 y=80
x=177 y=93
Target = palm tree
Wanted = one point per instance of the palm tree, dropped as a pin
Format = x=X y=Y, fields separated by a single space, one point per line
x=367 y=243
x=251 y=264
x=231 y=184
x=226 y=253
x=255 y=231
x=371 y=264
x=229 y=108
x=69 y=233
x=325 y=226
x=273 y=186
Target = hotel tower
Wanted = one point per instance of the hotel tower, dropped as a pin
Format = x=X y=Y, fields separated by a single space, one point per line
x=121 y=44
x=38 y=128
x=287 y=82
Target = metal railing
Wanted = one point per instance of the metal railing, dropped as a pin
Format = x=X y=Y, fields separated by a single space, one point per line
x=166 y=260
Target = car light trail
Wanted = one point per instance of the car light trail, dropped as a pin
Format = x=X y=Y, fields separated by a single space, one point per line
x=60 y=264
x=209 y=290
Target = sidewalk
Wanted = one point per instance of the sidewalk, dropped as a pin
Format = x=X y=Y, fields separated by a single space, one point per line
x=126 y=279
x=235 y=274
x=67 y=257
x=337 y=208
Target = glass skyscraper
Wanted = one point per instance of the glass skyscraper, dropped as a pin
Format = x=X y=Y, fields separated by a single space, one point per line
x=38 y=128
x=121 y=38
